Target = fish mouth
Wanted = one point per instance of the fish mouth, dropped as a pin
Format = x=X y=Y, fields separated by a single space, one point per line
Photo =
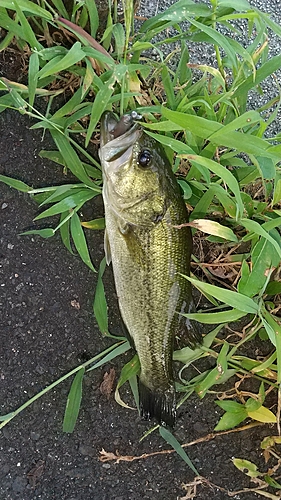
x=118 y=136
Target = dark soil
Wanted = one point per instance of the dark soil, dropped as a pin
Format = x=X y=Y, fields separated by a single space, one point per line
x=43 y=336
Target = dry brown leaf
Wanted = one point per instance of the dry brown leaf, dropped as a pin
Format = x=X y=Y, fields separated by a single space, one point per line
x=106 y=386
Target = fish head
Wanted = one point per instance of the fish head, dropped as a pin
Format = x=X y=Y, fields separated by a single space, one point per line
x=136 y=172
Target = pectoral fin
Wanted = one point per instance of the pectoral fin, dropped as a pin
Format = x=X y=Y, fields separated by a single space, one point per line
x=107 y=250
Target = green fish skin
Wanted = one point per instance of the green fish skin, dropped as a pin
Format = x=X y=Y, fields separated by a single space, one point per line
x=143 y=204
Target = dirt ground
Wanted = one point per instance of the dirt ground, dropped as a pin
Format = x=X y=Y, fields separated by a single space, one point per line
x=43 y=336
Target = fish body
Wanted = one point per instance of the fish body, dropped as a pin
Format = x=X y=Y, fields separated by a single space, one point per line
x=143 y=206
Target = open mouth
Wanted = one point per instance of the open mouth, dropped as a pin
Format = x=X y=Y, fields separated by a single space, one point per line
x=118 y=136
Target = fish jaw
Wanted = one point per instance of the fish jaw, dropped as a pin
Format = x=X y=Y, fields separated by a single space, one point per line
x=112 y=147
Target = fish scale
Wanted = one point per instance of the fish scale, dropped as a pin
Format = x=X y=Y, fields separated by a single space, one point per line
x=148 y=254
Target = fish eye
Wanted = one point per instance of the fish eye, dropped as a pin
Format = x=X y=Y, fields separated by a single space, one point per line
x=144 y=158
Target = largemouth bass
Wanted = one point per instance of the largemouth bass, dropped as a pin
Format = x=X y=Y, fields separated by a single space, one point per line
x=143 y=206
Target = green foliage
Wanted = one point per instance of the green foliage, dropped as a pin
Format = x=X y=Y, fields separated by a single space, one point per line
x=235 y=412
x=223 y=157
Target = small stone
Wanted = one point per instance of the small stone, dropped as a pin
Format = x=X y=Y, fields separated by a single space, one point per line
x=4 y=205
x=10 y=246
x=40 y=369
x=34 y=436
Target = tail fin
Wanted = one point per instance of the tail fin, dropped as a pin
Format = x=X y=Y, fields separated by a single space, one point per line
x=158 y=404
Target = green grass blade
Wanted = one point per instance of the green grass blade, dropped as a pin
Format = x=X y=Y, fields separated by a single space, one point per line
x=224 y=174
x=11 y=26
x=99 y=105
x=48 y=232
x=60 y=8
x=28 y=33
x=100 y=305
x=129 y=370
x=33 y=69
x=174 y=144
x=262 y=73
x=74 y=55
x=14 y=183
x=64 y=228
x=168 y=87
x=120 y=349
x=217 y=317
x=256 y=228
x=79 y=241
x=172 y=441
x=72 y=159
x=175 y=14
x=94 y=16
x=218 y=39
x=215 y=133
x=67 y=203
x=73 y=402
x=27 y=6
x=233 y=299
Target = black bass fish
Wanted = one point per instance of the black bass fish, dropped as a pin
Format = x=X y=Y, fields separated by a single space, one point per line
x=143 y=206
